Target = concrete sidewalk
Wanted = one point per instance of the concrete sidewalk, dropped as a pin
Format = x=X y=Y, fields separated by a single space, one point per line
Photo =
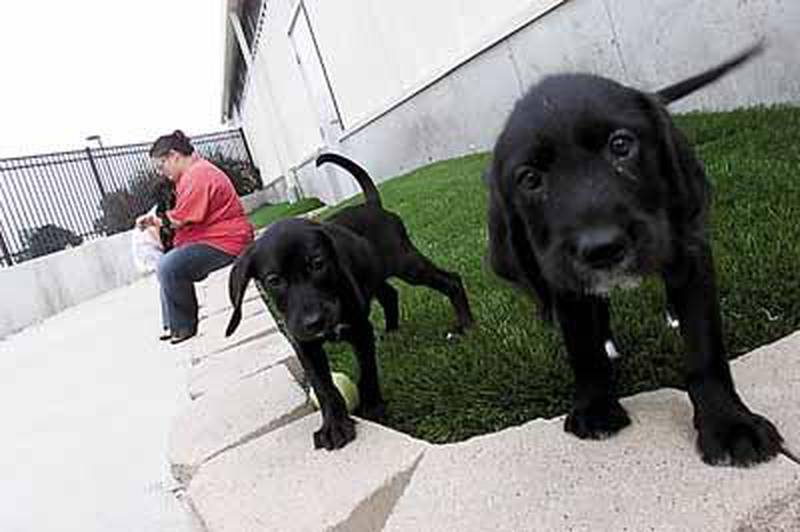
x=87 y=400
x=243 y=451
x=106 y=429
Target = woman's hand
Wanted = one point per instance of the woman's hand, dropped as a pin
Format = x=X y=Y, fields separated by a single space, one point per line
x=147 y=220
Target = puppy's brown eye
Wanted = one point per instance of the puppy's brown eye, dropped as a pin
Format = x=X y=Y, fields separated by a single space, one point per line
x=622 y=144
x=527 y=178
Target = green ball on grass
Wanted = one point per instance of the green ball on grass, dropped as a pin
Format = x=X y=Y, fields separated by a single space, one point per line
x=346 y=387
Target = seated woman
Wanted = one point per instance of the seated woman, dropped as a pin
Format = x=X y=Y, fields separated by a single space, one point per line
x=210 y=229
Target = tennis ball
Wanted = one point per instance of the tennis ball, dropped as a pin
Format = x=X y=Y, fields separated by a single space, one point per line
x=345 y=386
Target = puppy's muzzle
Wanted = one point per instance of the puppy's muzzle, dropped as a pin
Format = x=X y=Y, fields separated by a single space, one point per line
x=312 y=325
x=601 y=248
x=315 y=323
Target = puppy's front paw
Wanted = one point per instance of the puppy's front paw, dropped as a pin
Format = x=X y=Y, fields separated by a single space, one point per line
x=598 y=420
x=739 y=437
x=335 y=433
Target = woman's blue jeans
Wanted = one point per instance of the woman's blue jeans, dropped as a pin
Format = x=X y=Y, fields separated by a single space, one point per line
x=177 y=271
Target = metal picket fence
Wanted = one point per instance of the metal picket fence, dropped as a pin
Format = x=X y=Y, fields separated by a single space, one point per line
x=52 y=201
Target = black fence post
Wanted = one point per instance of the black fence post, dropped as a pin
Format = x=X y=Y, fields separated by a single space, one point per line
x=59 y=189
x=96 y=173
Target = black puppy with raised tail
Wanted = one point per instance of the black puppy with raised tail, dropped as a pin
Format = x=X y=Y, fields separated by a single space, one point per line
x=593 y=187
x=322 y=277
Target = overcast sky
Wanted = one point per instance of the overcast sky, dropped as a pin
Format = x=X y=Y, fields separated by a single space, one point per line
x=128 y=70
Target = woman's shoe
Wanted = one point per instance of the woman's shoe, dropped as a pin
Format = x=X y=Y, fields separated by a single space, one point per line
x=180 y=336
x=165 y=335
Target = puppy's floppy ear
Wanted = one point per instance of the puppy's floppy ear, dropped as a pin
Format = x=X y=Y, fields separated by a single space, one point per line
x=690 y=192
x=501 y=254
x=237 y=284
x=510 y=254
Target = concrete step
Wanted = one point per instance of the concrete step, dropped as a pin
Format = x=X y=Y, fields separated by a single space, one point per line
x=256 y=323
x=648 y=477
x=538 y=477
x=279 y=482
x=254 y=471
x=229 y=366
x=214 y=295
x=219 y=421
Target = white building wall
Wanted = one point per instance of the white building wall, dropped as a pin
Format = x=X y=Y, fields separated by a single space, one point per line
x=375 y=52
x=422 y=81
x=279 y=119
x=276 y=66
x=256 y=125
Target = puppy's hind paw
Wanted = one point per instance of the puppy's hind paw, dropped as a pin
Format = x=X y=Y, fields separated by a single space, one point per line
x=597 y=421
x=335 y=434
x=739 y=439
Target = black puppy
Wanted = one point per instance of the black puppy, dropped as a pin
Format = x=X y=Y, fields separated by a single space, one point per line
x=322 y=277
x=592 y=187
x=164 y=193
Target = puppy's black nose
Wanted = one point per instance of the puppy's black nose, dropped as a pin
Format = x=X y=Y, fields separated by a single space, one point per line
x=313 y=323
x=601 y=247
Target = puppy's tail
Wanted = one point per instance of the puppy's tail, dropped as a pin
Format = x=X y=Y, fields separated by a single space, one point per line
x=789 y=454
x=684 y=88
x=364 y=180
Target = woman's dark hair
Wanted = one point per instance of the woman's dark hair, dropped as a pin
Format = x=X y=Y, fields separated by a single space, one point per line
x=174 y=141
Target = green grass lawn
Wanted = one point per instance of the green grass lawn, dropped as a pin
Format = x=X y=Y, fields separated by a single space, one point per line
x=511 y=368
x=269 y=213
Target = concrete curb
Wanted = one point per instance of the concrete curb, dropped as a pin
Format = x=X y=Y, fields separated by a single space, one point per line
x=226 y=368
x=244 y=453
x=648 y=477
x=225 y=419
x=279 y=482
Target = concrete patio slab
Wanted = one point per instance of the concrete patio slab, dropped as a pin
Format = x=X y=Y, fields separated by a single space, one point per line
x=537 y=477
x=229 y=366
x=88 y=397
x=649 y=477
x=256 y=323
x=219 y=277
x=214 y=302
x=781 y=514
x=219 y=421
x=769 y=380
x=256 y=470
x=251 y=306
x=213 y=292
x=279 y=482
